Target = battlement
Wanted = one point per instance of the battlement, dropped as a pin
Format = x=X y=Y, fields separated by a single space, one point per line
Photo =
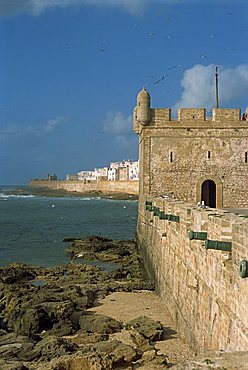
x=185 y=114
x=161 y=115
x=227 y=114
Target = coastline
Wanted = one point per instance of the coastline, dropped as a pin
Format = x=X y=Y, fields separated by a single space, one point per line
x=48 y=192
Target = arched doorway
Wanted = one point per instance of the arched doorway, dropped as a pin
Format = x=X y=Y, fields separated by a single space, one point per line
x=208 y=193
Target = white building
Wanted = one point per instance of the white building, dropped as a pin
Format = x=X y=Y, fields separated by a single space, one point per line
x=124 y=170
x=134 y=170
x=101 y=173
x=87 y=176
x=117 y=171
x=112 y=174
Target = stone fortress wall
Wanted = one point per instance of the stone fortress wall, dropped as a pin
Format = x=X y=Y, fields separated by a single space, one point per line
x=179 y=155
x=129 y=187
x=201 y=285
x=196 y=253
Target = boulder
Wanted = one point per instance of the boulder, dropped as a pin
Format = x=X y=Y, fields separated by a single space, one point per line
x=95 y=323
x=51 y=347
x=13 y=346
x=29 y=321
x=12 y=365
x=148 y=328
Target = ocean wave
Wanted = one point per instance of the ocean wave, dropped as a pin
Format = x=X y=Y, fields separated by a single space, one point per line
x=90 y=198
x=6 y=196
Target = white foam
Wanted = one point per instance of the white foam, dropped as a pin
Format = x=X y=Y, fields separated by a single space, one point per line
x=5 y=196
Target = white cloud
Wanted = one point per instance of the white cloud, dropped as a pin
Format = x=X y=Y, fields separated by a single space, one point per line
x=52 y=124
x=126 y=141
x=119 y=126
x=35 y=7
x=116 y=123
x=13 y=132
x=198 y=85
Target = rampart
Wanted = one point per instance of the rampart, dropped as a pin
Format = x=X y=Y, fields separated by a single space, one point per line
x=196 y=257
x=128 y=187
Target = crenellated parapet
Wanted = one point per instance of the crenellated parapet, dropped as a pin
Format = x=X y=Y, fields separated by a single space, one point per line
x=145 y=117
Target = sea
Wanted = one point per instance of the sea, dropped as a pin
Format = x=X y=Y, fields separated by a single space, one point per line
x=33 y=227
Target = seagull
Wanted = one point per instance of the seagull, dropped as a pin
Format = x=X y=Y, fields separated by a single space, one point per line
x=102 y=50
x=229 y=49
x=203 y=56
x=156 y=82
x=150 y=33
x=176 y=66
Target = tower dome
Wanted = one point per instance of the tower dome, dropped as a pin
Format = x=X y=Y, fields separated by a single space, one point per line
x=143 y=107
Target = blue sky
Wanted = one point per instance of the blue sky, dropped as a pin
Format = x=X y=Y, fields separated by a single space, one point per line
x=70 y=71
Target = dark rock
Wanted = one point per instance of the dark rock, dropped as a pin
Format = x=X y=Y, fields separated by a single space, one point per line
x=94 y=323
x=16 y=273
x=12 y=346
x=148 y=328
x=62 y=328
x=51 y=347
x=12 y=365
x=29 y=321
x=112 y=354
x=40 y=306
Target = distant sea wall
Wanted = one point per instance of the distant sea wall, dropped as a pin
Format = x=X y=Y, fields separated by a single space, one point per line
x=127 y=187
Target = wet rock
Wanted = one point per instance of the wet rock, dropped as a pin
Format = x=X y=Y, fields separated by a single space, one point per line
x=39 y=307
x=95 y=323
x=16 y=273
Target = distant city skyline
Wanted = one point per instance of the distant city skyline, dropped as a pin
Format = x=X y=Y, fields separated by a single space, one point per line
x=70 y=72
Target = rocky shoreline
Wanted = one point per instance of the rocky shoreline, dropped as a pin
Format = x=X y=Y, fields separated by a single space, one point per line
x=53 y=318
x=44 y=322
x=29 y=190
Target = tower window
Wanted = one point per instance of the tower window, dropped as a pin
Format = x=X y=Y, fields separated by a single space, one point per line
x=171 y=157
x=246 y=157
x=209 y=154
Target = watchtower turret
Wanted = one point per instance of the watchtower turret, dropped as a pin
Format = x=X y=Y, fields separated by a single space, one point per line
x=143 y=107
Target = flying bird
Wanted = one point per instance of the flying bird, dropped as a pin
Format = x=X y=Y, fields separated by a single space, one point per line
x=157 y=82
x=176 y=66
